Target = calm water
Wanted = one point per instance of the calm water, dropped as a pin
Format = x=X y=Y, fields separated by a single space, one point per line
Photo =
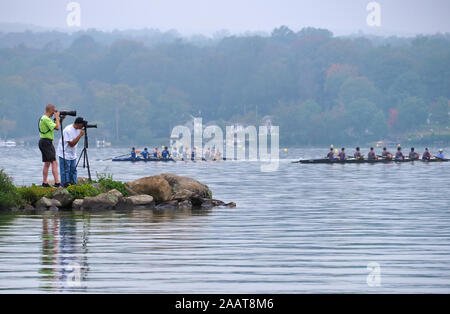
x=304 y=228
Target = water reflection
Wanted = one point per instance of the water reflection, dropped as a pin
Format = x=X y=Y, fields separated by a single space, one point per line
x=65 y=241
x=300 y=229
x=64 y=248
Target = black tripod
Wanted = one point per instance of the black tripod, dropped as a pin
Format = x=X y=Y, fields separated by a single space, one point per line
x=84 y=154
x=63 y=145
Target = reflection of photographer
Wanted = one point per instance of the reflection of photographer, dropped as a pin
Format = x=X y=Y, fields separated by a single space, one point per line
x=68 y=156
x=47 y=135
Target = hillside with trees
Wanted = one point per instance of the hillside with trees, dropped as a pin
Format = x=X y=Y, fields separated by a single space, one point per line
x=318 y=88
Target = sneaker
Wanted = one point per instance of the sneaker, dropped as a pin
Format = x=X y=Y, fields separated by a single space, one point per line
x=57 y=185
x=45 y=185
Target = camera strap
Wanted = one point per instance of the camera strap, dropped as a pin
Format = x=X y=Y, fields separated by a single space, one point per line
x=39 y=127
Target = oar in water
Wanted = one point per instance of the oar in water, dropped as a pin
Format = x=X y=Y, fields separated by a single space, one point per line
x=113 y=157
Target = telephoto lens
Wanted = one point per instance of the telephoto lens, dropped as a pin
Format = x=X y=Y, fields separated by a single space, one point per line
x=68 y=113
x=89 y=126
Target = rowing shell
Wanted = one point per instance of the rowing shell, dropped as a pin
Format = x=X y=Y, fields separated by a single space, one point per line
x=366 y=161
x=144 y=160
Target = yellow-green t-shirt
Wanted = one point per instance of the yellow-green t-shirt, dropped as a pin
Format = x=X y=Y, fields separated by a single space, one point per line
x=46 y=127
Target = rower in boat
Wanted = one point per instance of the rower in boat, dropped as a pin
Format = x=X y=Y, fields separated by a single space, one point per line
x=185 y=154
x=342 y=154
x=426 y=155
x=208 y=154
x=386 y=154
x=133 y=154
x=413 y=155
x=165 y=153
x=194 y=153
x=372 y=155
x=157 y=153
x=330 y=155
x=218 y=155
x=440 y=155
x=145 y=153
x=399 y=155
x=358 y=155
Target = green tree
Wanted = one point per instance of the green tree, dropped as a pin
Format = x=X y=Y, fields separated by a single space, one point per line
x=412 y=113
x=406 y=85
x=440 y=112
x=359 y=116
x=356 y=88
x=379 y=126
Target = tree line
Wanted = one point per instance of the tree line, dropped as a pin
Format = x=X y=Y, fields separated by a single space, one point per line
x=318 y=88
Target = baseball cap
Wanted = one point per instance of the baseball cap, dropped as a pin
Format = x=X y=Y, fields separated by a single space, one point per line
x=79 y=120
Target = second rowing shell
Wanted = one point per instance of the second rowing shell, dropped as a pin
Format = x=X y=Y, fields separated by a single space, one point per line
x=365 y=161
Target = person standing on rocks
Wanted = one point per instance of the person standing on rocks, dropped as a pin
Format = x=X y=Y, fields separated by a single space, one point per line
x=47 y=129
x=68 y=157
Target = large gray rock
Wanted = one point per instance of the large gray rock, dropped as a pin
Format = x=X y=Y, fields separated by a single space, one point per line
x=167 y=187
x=82 y=180
x=26 y=207
x=117 y=193
x=105 y=201
x=136 y=202
x=168 y=205
x=77 y=204
x=64 y=197
x=45 y=203
x=155 y=186
x=185 y=188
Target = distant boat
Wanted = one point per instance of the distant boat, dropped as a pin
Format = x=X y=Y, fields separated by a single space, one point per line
x=103 y=144
x=8 y=144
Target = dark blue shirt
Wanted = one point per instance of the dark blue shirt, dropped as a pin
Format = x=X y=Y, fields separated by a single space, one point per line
x=145 y=154
x=133 y=154
x=165 y=154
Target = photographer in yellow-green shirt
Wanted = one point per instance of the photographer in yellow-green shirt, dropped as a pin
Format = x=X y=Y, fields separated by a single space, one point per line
x=47 y=129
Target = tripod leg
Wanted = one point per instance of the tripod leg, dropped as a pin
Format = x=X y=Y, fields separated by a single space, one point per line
x=79 y=159
x=88 y=166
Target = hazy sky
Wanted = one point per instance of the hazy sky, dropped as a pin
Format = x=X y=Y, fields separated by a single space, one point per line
x=207 y=16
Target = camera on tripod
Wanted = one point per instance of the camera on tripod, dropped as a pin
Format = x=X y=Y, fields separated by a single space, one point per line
x=68 y=113
x=65 y=113
x=86 y=125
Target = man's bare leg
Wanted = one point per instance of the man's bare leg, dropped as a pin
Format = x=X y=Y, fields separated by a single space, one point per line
x=55 y=172
x=45 y=172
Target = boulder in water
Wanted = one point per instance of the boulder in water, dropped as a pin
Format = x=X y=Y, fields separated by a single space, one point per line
x=105 y=201
x=64 y=197
x=168 y=187
x=136 y=202
x=46 y=203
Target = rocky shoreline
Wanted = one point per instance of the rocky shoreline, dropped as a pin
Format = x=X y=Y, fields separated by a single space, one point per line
x=160 y=192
